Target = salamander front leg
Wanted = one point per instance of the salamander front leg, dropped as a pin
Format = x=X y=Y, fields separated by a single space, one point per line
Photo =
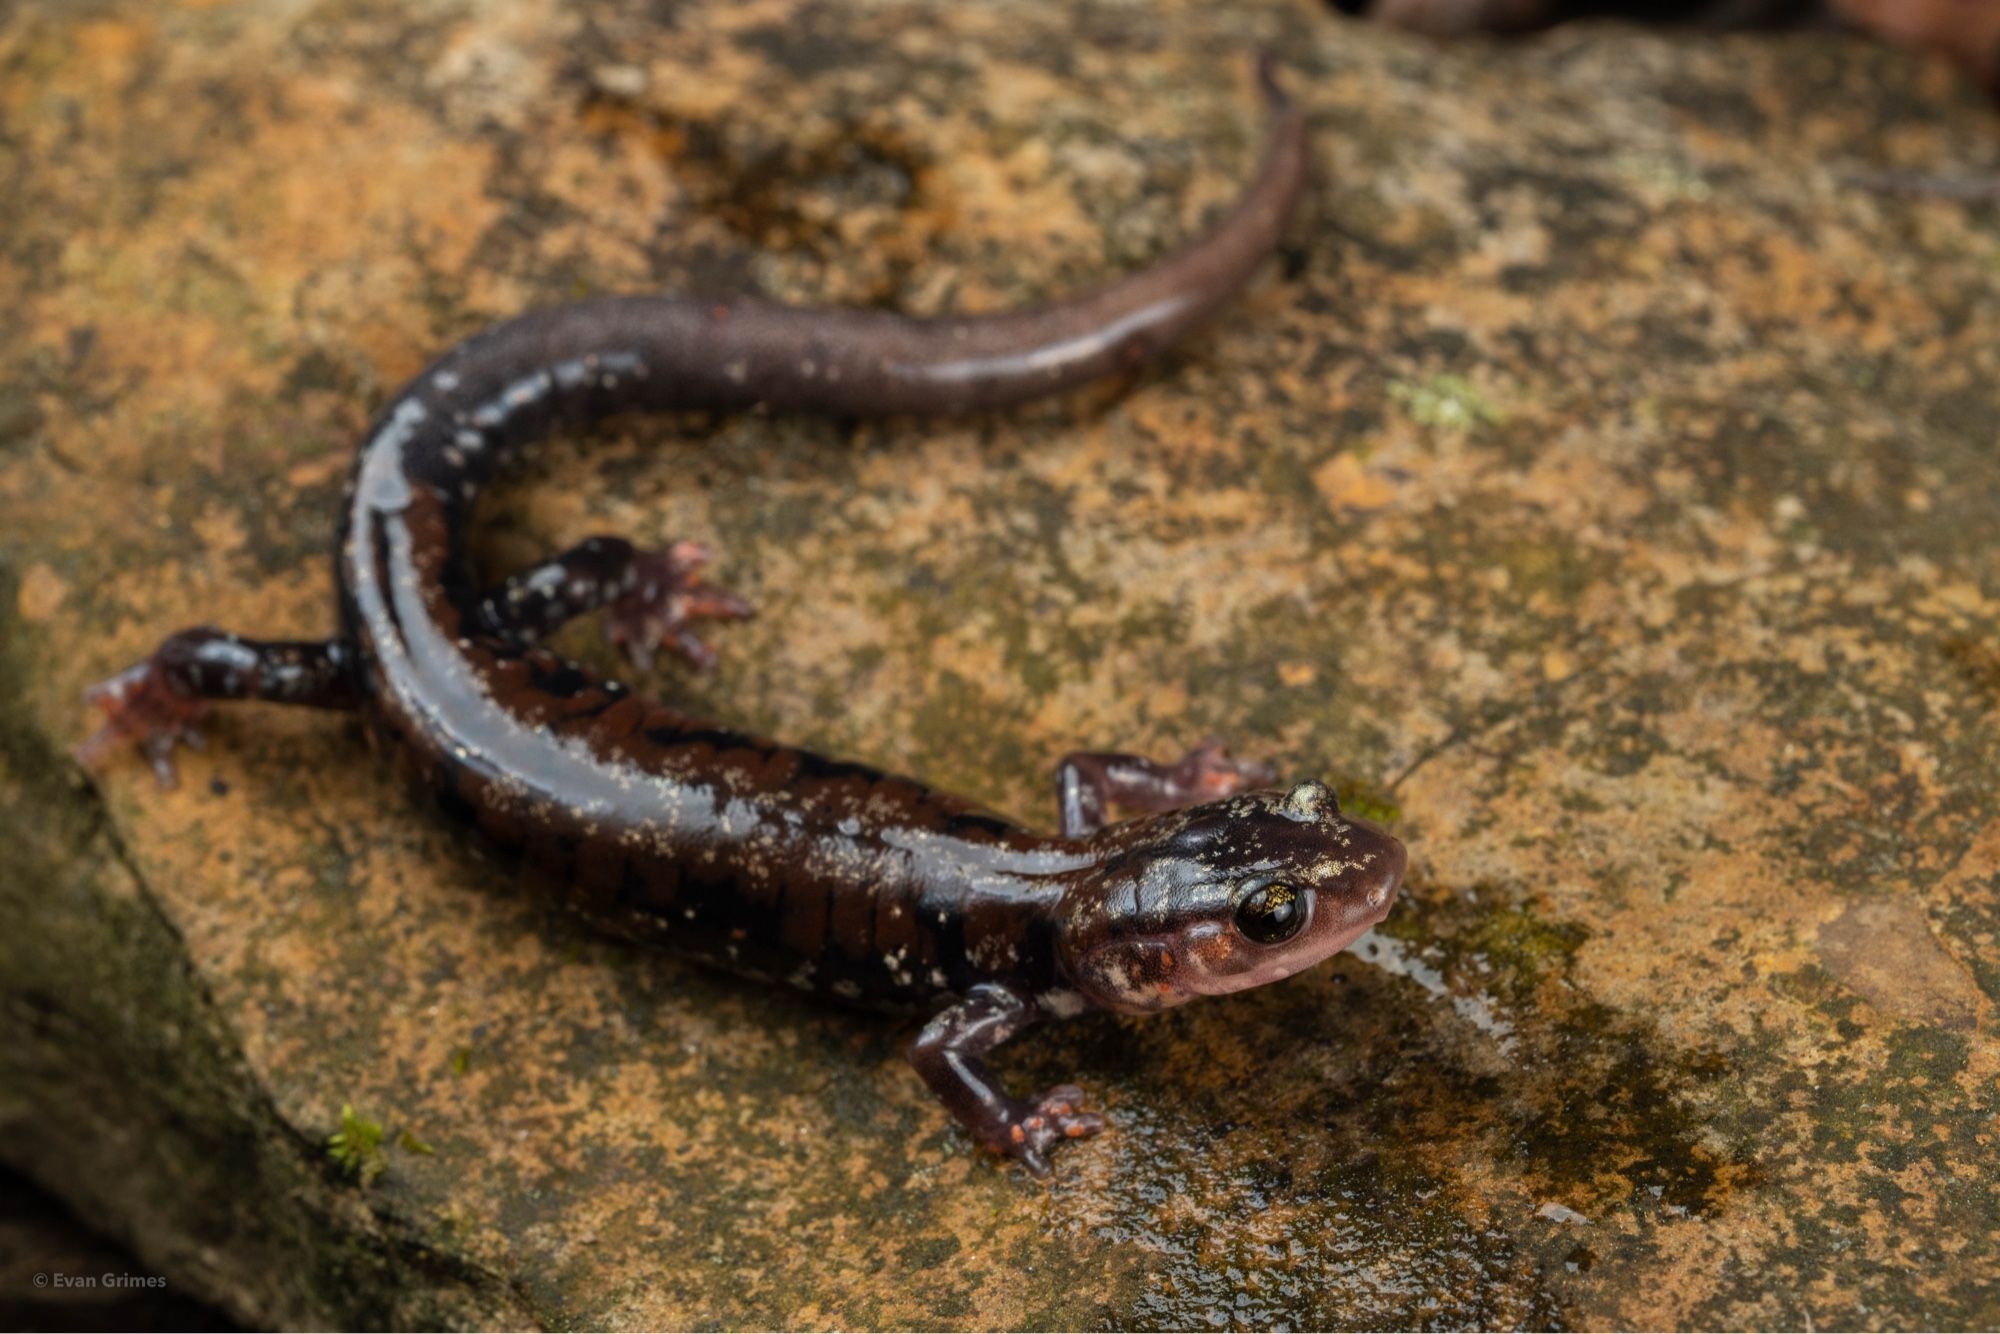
x=156 y=703
x=949 y=1054
x=653 y=598
x=1089 y=784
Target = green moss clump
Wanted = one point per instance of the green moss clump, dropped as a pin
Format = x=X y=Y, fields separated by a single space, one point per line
x=1449 y=402
x=357 y=1146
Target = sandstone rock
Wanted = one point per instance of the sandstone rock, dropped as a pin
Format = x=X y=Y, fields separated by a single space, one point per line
x=1599 y=490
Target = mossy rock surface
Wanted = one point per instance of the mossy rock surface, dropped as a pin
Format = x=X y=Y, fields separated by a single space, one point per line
x=1598 y=488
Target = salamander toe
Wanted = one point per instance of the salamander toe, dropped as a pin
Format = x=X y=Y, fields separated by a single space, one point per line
x=665 y=600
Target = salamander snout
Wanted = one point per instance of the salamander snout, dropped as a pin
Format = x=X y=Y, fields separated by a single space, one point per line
x=1227 y=896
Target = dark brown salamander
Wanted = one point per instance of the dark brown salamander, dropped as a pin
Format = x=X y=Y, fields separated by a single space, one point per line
x=771 y=861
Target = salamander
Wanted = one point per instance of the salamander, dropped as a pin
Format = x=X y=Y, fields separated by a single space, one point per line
x=768 y=860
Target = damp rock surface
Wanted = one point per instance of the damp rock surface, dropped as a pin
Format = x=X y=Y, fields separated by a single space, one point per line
x=1598 y=489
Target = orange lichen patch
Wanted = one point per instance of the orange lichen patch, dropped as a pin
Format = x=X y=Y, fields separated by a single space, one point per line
x=1298 y=674
x=1347 y=484
x=109 y=50
x=42 y=593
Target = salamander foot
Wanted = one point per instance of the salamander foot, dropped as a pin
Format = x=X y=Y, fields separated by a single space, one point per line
x=664 y=599
x=157 y=703
x=142 y=705
x=1034 y=1128
x=950 y=1055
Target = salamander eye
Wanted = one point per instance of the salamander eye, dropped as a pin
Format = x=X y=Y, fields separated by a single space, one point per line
x=1271 y=915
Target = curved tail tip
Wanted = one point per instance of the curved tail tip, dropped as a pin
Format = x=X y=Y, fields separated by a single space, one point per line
x=1267 y=78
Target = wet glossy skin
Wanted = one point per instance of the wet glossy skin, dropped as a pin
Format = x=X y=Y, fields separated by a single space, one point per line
x=769 y=860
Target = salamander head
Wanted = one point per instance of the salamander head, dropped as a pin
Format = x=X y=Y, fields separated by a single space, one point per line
x=1224 y=896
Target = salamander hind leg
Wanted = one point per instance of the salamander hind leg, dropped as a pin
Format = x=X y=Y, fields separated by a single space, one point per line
x=653 y=599
x=950 y=1055
x=1089 y=784
x=157 y=704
